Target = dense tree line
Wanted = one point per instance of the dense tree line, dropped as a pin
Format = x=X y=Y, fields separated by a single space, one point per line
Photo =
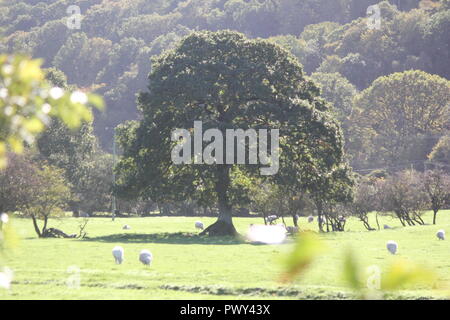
x=388 y=88
x=112 y=50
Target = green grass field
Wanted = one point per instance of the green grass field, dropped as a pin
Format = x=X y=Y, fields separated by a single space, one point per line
x=186 y=266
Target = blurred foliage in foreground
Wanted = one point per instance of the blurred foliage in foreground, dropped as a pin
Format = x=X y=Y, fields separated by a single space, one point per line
x=27 y=103
x=8 y=237
x=367 y=284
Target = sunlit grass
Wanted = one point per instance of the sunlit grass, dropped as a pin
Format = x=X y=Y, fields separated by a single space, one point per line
x=192 y=267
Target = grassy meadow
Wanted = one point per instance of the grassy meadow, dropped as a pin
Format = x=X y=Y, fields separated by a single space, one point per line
x=187 y=266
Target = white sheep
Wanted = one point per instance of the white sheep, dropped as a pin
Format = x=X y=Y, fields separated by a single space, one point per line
x=271 y=219
x=118 y=254
x=83 y=214
x=392 y=246
x=199 y=225
x=146 y=257
x=6 y=278
x=310 y=219
x=441 y=234
x=292 y=230
x=126 y=227
x=4 y=218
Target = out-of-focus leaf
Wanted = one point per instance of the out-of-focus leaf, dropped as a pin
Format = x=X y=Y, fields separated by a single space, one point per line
x=27 y=101
x=398 y=275
x=8 y=238
x=351 y=272
x=2 y=149
x=97 y=101
x=30 y=70
x=15 y=144
x=307 y=248
x=34 y=125
x=403 y=273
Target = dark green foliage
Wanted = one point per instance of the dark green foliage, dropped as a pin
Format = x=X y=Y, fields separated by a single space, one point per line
x=111 y=52
x=86 y=167
x=207 y=78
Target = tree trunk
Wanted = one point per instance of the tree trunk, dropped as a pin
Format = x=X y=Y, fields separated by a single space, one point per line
x=56 y=233
x=378 y=223
x=399 y=216
x=44 y=228
x=224 y=224
x=419 y=220
x=295 y=220
x=409 y=220
x=319 y=215
x=36 y=227
x=265 y=217
x=365 y=221
x=434 y=215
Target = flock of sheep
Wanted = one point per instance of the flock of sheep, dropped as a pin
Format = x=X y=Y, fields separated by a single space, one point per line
x=392 y=246
x=146 y=256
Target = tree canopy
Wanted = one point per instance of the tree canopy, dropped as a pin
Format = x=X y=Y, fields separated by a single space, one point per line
x=402 y=116
x=110 y=53
x=228 y=82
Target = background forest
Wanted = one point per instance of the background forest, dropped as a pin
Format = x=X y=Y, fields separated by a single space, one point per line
x=366 y=74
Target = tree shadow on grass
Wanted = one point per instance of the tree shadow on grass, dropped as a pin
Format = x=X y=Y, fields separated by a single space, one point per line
x=168 y=238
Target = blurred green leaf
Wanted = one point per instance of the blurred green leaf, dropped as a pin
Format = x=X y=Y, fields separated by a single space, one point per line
x=8 y=237
x=34 y=125
x=27 y=101
x=403 y=273
x=97 y=101
x=307 y=248
x=351 y=270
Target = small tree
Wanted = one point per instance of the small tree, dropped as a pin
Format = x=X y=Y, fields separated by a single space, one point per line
x=48 y=194
x=436 y=184
x=404 y=195
x=329 y=193
x=364 y=201
x=262 y=199
x=273 y=199
x=38 y=192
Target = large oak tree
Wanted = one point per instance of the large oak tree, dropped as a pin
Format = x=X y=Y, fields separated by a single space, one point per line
x=228 y=82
